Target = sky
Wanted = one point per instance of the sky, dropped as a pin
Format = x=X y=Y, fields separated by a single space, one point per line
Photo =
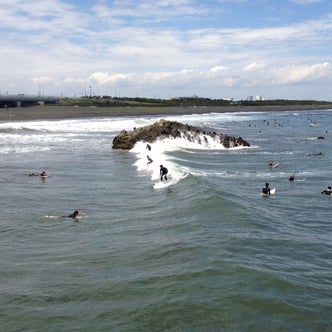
x=276 y=49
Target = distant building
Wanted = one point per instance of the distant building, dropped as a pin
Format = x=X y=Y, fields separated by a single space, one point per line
x=257 y=98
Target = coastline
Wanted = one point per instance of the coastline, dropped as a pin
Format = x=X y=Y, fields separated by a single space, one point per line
x=75 y=112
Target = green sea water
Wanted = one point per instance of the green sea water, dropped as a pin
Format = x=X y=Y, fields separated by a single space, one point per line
x=203 y=252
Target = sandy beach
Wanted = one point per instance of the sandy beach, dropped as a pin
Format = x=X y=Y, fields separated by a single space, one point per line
x=70 y=112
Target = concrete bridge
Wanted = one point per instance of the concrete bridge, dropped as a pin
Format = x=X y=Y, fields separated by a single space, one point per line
x=22 y=100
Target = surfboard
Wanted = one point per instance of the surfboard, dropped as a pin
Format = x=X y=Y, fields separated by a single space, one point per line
x=272 y=192
x=80 y=216
x=164 y=183
x=51 y=217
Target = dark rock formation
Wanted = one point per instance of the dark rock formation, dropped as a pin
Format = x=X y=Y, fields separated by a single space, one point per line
x=163 y=128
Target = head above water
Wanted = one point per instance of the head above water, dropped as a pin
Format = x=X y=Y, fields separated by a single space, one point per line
x=266 y=184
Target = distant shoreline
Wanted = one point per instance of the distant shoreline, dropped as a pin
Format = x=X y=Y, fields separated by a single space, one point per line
x=75 y=112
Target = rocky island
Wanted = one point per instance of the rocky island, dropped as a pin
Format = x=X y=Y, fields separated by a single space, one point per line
x=172 y=129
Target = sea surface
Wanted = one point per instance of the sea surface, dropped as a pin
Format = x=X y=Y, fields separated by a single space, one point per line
x=203 y=251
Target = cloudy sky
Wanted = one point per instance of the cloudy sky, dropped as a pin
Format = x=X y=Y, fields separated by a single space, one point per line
x=167 y=48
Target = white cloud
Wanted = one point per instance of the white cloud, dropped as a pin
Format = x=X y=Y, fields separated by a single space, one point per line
x=65 y=47
x=301 y=74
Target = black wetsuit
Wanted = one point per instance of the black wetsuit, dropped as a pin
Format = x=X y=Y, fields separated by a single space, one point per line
x=327 y=192
x=266 y=190
x=73 y=215
x=163 y=173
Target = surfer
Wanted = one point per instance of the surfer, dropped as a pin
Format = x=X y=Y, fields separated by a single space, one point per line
x=163 y=172
x=42 y=174
x=292 y=178
x=148 y=146
x=272 y=165
x=315 y=154
x=327 y=191
x=149 y=160
x=74 y=215
x=266 y=190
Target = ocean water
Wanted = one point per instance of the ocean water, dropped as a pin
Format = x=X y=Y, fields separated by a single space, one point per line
x=203 y=251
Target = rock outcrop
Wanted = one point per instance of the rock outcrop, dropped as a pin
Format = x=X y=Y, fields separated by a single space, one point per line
x=171 y=129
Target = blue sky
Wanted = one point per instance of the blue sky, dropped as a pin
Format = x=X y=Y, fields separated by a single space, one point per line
x=167 y=48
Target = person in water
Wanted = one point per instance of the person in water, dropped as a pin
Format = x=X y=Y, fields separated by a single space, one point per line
x=163 y=172
x=327 y=191
x=271 y=164
x=148 y=146
x=149 y=160
x=74 y=215
x=43 y=174
x=292 y=178
x=266 y=190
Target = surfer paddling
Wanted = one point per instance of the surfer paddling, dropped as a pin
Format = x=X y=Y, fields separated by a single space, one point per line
x=327 y=191
x=42 y=174
x=75 y=215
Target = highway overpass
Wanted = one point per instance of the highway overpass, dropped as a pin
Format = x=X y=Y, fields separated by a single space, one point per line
x=22 y=100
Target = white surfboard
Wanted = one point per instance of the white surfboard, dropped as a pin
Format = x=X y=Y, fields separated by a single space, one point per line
x=169 y=182
x=164 y=183
x=51 y=217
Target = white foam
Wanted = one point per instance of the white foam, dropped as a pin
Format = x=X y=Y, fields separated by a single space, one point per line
x=158 y=154
x=78 y=125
